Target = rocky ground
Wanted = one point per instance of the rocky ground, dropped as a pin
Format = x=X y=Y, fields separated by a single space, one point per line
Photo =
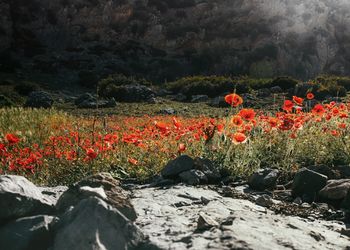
x=184 y=217
x=100 y=212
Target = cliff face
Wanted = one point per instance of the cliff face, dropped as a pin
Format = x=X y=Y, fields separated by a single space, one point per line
x=164 y=39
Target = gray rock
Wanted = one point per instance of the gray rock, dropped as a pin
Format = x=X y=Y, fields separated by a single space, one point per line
x=206 y=222
x=167 y=111
x=207 y=167
x=193 y=177
x=335 y=189
x=86 y=97
x=249 y=226
x=52 y=194
x=101 y=185
x=39 y=99
x=308 y=182
x=27 y=233
x=219 y=102
x=19 y=197
x=199 y=98
x=97 y=104
x=263 y=179
x=323 y=169
x=264 y=201
x=174 y=167
x=100 y=226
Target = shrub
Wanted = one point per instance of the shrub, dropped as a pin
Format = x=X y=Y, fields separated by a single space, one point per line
x=284 y=82
x=206 y=85
x=108 y=87
x=25 y=88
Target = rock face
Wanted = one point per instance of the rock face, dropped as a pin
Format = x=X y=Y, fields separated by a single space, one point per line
x=167 y=39
x=19 y=197
x=178 y=218
x=177 y=166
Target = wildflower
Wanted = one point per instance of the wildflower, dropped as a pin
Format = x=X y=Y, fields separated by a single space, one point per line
x=234 y=100
x=334 y=132
x=91 y=153
x=298 y=100
x=318 y=109
x=181 y=148
x=247 y=114
x=288 y=106
x=310 y=96
x=237 y=120
x=12 y=139
x=133 y=161
x=238 y=138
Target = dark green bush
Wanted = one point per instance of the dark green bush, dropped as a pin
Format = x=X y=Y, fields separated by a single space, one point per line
x=206 y=85
x=25 y=88
x=5 y=101
x=284 y=82
x=108 y=87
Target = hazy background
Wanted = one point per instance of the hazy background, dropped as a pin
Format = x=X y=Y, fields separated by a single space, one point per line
x=166 y=39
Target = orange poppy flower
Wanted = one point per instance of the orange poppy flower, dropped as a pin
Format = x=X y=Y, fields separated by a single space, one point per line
x=247 y=114
x=234 y=100
x=238 y=138
x=133 y=161
x=298 y=100
x=310 y=96
x=237 y=120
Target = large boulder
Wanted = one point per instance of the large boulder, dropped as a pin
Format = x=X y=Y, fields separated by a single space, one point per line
x=39 y=99
x=263 y=179
x=93 y=224
x=308 y=182
x=27 y=233
x=101 y=185
x=335 y=189
x=177 y=166
x=19 y=197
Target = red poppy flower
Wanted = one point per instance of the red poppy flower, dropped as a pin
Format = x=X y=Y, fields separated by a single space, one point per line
x=238 y=138
x=298 y=100
x=310 y=96
x=234 y=100
x=91 y=153
x=318 y=109
x=12 y=139
x=237 y=120
x=288 y=106
x=181 y=148
x=247 y=114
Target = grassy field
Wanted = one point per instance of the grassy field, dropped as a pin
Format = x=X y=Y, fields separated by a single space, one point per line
x=59 y=147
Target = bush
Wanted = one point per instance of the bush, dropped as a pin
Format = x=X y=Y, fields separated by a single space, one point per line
x=284 y=82
x=206 y=85
x=108 y=87
x=25 y=88
x=332 y=86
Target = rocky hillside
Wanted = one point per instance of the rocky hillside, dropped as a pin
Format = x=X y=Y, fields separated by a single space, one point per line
x=165 y=39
